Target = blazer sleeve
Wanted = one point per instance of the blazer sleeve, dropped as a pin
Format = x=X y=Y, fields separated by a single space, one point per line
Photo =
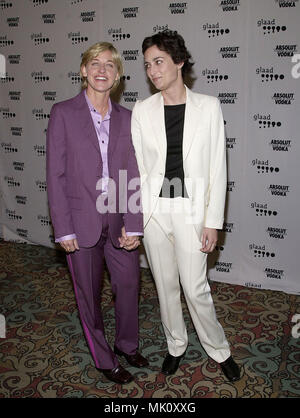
x=56 y=151
x=133 y=218
x=214 y=217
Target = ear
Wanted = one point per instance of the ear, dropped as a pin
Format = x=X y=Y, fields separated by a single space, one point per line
x=180 y=65
x=83 y=71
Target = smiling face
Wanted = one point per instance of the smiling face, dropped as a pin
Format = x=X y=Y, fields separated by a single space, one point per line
x=101 y=72
x=161 y=69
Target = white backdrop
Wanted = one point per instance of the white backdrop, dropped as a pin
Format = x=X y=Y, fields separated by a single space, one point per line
x=246 y=52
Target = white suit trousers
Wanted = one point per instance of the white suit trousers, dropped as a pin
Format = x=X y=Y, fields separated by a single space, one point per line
x=174 y=256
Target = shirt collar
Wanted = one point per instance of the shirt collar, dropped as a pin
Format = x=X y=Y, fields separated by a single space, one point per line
x=91 y=107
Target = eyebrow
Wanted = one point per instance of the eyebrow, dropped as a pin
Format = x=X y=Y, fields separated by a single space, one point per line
x=156 y=58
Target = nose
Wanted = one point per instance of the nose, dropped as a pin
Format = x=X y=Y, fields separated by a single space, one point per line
x=102 y=68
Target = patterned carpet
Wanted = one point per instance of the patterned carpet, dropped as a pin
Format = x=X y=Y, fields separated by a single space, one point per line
x=44 y=354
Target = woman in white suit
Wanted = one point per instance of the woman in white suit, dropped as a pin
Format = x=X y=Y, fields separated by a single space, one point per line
x=179 y=142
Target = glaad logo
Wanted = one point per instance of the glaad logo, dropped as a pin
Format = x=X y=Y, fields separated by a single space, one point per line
x=278 y=233
x=261 y=209
x=44 y=220
x=129 y=12
x=286 y=3
x=223 y=267
x=39 y=77
x=39 y=38
x=42 y=185
x=285 y=50
x=40 y=150
x=213 y=75
x=6 y=114
x=251 y=284
x=229 y=51
x=260 y=251
x=39 y=2
x=267 y=74
x=229 y=5
x=264 y=121
x=159 y=28
x=11 y=214
x=228 y=98
x=5 y=42
x=39 y=114
x=8 y=148
x=7 y=79
x=117 y=34
x=213 y=29
x=296 y=328
x=74 y=77
x=5 y=4
x=283 y=98
x=263 y=167
x=11 y=182
x=269 y=26
x=279 y=190
x=296 y=68
x=77 y=38
x=176 y=8
x=280 y=144
x=274 y=273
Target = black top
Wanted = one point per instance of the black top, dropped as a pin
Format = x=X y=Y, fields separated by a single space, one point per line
x=174 y=122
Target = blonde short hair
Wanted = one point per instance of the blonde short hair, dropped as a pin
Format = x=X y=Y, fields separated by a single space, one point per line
x=93 y=52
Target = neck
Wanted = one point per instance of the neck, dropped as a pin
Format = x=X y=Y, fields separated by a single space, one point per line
x=99 y=100
x=175 y=95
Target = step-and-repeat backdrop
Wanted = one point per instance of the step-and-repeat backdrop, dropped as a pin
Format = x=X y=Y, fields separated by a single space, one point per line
x=246 y=52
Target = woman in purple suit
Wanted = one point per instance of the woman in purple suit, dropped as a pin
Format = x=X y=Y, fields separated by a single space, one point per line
x=90 y=159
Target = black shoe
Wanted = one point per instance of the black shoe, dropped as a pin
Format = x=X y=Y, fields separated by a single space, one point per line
x=118 y=375
x=136 y=360
x=230 y=369
x=170 y=364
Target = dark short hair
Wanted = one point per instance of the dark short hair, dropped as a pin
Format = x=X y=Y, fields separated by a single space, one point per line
x=172 y=43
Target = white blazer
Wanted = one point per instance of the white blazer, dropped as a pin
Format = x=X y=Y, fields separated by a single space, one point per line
x=204 y=156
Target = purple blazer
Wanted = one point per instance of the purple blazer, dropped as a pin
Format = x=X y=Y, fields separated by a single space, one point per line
x=74 y=166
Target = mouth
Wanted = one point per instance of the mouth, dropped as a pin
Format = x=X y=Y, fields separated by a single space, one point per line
x=101 y=78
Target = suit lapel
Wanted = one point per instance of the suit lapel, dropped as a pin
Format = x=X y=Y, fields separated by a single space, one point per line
x=157 y=120
x=191 y=119
x=114 y=129
x=87 y=124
